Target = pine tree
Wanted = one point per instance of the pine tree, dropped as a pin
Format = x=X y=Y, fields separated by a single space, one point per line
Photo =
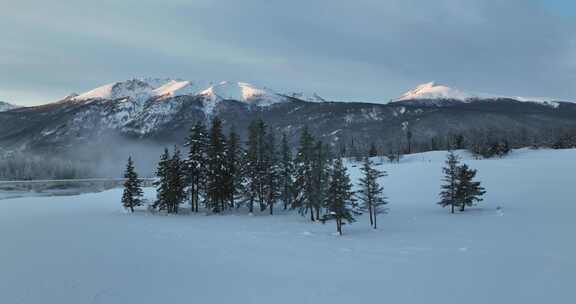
x=234 y=168
x=286 y=173
x=251 y=164
x=177 y=181
x=354 y=151
x=304 y=186
x=340 y=203
x=132 y=196
x=320 y=175
x=272 y=171
x=371 y=193
x=450 y=186
x=216 y=175
x=163 y=184
x=468 y=191
x=196 y=164
x=408 y=141
x=262 y=164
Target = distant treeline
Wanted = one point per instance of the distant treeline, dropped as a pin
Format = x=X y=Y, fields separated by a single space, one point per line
x=484 y=143
x=27 y=166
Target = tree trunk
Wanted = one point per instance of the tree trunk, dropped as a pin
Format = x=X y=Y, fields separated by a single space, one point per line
x=312 y=214
x=339 y=226
x=452 y=206
x=192 y=198
x=271 y=209
x=370 y=211
x=262 y=205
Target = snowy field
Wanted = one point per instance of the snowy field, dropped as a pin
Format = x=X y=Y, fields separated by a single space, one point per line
x=85 y=249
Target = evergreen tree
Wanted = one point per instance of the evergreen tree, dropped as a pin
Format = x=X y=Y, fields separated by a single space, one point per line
x=286 y=173
x=177 y=181
x=371 y=193
x=340 y=202
x=262 y=164
x=304 y=182
x=394 y=151
x=234 y=168
x=272 y=171
x=216 y=163
x=132 y=196
x=408 y=141
x=450 y=186
x=468 y=191
x=251 y=164
x=354 y=152
x=320 y=175
x=163 y=184
x=196 y=164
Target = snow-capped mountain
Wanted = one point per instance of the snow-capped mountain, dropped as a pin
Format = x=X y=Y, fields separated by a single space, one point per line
x=4 y=106
x=135 y=89
x=142 y=90
x=432 y=91
x=241 y=91
x=435 y=94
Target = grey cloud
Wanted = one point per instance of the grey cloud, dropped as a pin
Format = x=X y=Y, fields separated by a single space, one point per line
x=363 y=49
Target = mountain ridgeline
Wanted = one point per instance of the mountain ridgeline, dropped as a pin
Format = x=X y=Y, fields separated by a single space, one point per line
x=106 y=124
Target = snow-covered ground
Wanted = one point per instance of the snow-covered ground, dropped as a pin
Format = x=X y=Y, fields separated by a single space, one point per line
x=85 y=249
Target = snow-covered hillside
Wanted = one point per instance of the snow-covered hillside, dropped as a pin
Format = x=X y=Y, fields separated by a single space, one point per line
x=85 y=249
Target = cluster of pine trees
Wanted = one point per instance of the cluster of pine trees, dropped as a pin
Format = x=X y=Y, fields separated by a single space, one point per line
x=221 y=173
x=459 y=189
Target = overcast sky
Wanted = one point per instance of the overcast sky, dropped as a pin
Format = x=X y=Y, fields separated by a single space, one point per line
x=365 y=50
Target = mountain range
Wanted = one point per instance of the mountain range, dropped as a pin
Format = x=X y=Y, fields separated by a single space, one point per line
x=159 y=112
